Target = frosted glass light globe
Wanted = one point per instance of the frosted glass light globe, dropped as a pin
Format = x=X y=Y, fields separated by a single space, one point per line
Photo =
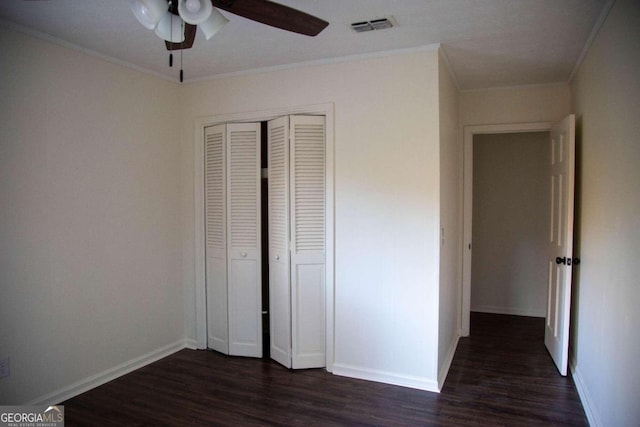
x=194 y=12
x=193 y=6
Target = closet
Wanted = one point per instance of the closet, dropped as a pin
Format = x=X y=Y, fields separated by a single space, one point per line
x=296 y=239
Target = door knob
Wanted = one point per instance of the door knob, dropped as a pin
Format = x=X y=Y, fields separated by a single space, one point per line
x=243 y=254
x=277 y=257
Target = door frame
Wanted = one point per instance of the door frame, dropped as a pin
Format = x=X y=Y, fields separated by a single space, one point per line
x=467 y=205
x=326 y=110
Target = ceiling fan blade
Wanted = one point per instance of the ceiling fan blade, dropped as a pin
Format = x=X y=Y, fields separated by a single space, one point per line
x=189 y=37
x=274 y=14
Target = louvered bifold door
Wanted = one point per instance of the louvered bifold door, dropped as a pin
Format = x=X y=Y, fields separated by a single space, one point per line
x=279 y=284
x=215 y=232
x=243 y=239
x=307 y=207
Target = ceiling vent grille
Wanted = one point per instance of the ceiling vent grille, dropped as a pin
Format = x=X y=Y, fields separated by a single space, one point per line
x=374 y=24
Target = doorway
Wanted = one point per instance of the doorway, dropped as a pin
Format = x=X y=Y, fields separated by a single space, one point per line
x=510 y=223
x=469 y=133
x=560 y=232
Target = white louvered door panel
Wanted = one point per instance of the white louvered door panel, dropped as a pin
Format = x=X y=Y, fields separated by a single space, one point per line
x=279 y=284
x=243 y=239
x=307 y=212
x=215 y=232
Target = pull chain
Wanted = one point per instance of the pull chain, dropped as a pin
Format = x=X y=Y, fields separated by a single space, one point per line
x=181 y=71
x=171 y=37
x=181 y=50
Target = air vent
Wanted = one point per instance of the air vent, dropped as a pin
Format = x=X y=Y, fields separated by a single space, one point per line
x=361 y=27
x=374 y=24
x=381 y=24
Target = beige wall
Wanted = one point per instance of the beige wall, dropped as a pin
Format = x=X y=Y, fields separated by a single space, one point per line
x=450 y=220
x=510 y=223
x=89 y=230
x=606 y=100
x=386 y=200
x=527 y=104
x=97 y=230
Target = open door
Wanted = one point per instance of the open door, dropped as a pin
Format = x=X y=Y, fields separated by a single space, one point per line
x=244 y=266
x=297 y=241
x=279 y=266
x=308 y=241
x=232 y=219
x=556 y=336
x=216 y=240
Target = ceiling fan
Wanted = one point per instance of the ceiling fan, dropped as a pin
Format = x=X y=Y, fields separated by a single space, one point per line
x=176 y=21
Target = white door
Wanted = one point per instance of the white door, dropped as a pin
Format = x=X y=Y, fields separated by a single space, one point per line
x=556 y=336
x=296 y=157
x=215 y=232
x=279 y=282
x=243 y=239
x=307 y=207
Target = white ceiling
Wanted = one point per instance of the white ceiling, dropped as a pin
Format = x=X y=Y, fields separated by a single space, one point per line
x=489 y=43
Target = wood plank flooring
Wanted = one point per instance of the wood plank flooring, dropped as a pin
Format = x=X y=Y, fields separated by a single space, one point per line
x=500 y=376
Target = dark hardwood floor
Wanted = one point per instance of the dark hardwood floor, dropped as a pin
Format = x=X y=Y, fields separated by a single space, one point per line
x=500 y=376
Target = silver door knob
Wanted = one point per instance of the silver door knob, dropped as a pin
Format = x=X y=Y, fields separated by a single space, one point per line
x=243 y=254
x=277 y=257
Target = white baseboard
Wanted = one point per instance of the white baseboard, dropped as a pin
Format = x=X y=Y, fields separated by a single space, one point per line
x=192 y=344
x=444 y=370
x=514 y=311
x=410 y=381
x=585 y=396
x=94 y=381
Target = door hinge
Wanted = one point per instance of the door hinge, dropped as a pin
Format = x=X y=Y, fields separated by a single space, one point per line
x=567 y=261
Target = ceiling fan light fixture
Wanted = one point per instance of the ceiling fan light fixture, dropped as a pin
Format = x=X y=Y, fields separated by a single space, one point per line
x=212 y=25
x=170 y=28
x=148 y=12
x=194 y=12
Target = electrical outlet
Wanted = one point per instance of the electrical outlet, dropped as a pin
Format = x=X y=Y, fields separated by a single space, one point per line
x=4 y=367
